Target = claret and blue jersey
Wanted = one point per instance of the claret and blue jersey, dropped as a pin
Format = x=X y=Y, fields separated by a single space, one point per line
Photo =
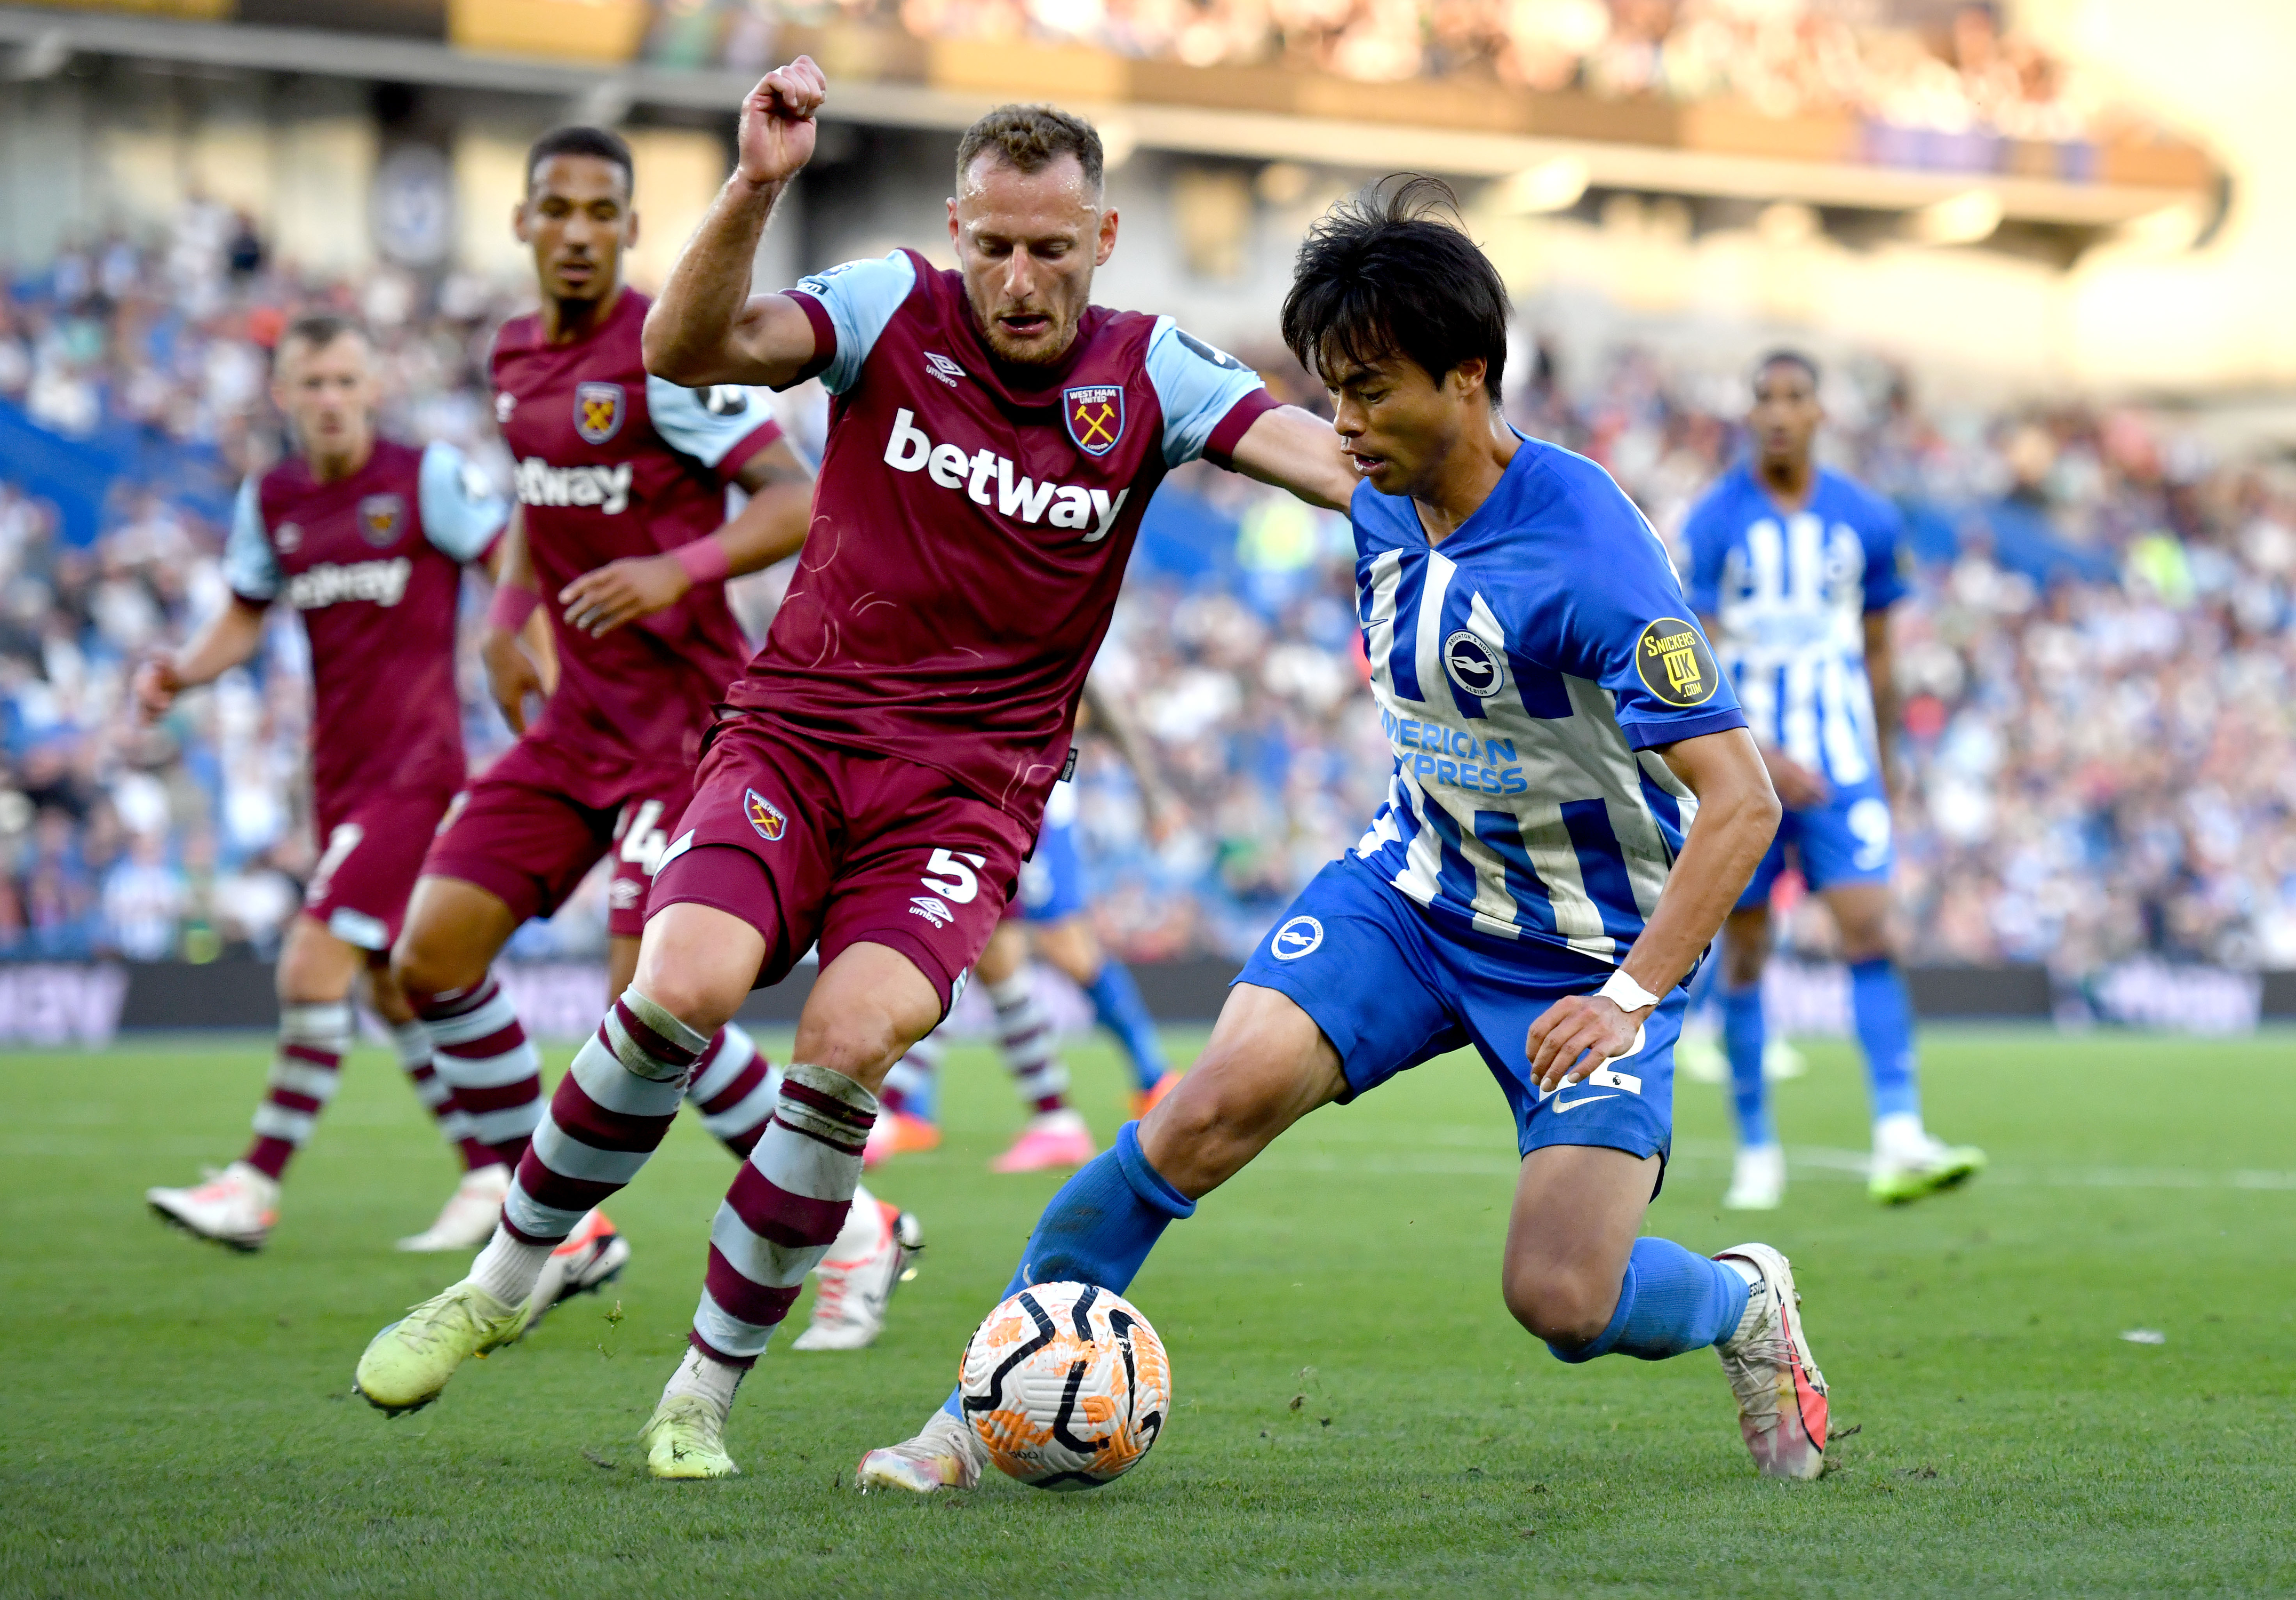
x=1527 y=670
x=1792 y=592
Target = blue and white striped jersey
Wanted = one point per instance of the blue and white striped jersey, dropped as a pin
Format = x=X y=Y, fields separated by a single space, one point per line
x=1791 y=590
x=1524 y=670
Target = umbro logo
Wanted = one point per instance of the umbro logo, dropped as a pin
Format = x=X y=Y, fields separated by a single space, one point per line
x=941 y=367
x=931 y=908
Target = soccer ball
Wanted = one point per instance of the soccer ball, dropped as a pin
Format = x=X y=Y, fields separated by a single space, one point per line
x=1067 y=1385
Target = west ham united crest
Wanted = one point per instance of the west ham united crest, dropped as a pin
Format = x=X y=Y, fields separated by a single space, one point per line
x=763 y=815
x=1095 y=415
x=380 y=517
x=598 y=409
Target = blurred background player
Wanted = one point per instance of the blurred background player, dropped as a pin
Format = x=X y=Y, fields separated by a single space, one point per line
x=1793 y=570
x=621 y=530
x=366 y=539
x=1051 y=916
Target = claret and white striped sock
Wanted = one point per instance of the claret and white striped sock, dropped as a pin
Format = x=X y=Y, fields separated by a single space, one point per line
x=478 y=1046
x=304 y=1073
x=786 y=1207
x=412 y=1040
x=1025 y=1033
x=733 y=1088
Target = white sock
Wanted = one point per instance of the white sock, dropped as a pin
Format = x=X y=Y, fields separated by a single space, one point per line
x=713 y=1380
x=1757 y=1301
x=1900 y=1136
x=508 y=1266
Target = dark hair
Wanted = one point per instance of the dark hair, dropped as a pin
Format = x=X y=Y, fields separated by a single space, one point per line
x=603 y=143
x=1031 y=138
x=1785 y=355
x=318 y=330
x=1391 y=270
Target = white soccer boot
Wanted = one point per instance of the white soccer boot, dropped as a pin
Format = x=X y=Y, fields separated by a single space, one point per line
x=944 y=1455
x=590 y=1257
x=850 y=1296
x=1780 y=1061
x=235 y=1207
x=1910 y=1163
x=1698 y=1055
x=1757 y=1178
x=467 y=1219
x=1782 y=1408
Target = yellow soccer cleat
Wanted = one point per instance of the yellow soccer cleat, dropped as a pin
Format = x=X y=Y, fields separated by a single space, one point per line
x=1902 y=1178
x=686 y=1438
x=408 y=1363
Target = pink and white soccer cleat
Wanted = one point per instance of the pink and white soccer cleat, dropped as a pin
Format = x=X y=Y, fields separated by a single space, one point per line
x=591 y=1257
x=467 y=1220
x=945 y=1454
x=235 y=1207
x=1781 y=1393
x=1052 y=1140
x=851 y=1295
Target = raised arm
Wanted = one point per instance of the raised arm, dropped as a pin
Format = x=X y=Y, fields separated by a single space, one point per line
x=1297 y=450
x=707 y=328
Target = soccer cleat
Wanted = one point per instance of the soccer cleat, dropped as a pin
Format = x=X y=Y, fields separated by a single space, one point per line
x=848 y=1302
x=408 y=1363
x=1780 y=1061
x=1758 y=1180
x=1698 y=1057
x=235 y=1207
x=1053 y=1139
x=1781 y=1393
x=898 y=1133
x=467 y=1219
x=1146 y=1100
x=591 y=1257
x=686 y=1439
x=944 y=1455
x=1901 y=1176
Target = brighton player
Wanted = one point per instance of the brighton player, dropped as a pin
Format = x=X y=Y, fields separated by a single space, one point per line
x=994 y=438
x=621 y=534
x=365 y=539
x=1574 y=807
x=1050 y=916
x=1793 y=570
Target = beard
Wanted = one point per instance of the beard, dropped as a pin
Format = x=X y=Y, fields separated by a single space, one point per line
x=1041 y=351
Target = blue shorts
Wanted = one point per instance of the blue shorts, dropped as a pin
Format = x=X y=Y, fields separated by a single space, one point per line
x=1391 y=987
x=1052 y=880
x=1845 y=841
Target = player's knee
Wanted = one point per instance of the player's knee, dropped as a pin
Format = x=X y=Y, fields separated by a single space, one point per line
x=423 y=965
x=861 y=1041
x=1563 y=1308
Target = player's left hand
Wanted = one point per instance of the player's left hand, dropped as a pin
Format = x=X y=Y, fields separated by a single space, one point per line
x=775 y=135
x=600 y=601
x=1576 y=1034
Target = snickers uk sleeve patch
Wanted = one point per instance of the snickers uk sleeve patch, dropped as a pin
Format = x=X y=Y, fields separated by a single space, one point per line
x=1674 y=663
x=250 y=565
x=1196 y=385
x=860 y=299
x=461 y=511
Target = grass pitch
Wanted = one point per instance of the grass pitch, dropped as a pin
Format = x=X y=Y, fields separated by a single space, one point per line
x=1355 y=1414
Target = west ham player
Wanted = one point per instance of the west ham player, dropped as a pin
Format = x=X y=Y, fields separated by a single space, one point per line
x=993 y=442
x=1050 y=914
x=1574 y=807
x=620 y=530
x=365 y=538
x=1793 y=569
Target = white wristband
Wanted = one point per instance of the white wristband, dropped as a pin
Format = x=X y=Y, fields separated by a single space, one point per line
x=1625 y=994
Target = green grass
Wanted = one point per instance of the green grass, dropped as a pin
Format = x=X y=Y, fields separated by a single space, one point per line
x=176 y=1419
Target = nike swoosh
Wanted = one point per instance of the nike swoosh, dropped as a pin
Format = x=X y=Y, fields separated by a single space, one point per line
x=1562 y=1105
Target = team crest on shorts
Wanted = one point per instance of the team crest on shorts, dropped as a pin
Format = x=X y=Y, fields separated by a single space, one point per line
x=1094 y=415
x=763 y=815
x=381 y=517
x=597 y=411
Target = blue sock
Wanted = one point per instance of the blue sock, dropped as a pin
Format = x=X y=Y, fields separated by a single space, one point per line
x=1670 y=1302
x=1742 y=1038
x=1101 y=1227
x=1885 y=1028
x=1116 y=1002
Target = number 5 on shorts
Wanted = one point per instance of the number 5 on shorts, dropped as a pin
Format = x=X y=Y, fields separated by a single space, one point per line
x=961 y=885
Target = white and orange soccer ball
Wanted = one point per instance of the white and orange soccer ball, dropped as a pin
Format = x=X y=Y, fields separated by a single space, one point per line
x=1067 y=1385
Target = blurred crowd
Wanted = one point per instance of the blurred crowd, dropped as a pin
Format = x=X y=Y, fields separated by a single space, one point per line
x=1784 y=57
x=2097 y=757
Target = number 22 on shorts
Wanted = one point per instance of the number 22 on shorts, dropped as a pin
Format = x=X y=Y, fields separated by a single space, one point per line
x=958 y=882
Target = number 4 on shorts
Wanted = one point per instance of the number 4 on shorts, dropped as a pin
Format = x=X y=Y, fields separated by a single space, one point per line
x=642 y=840
x=960 y=885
